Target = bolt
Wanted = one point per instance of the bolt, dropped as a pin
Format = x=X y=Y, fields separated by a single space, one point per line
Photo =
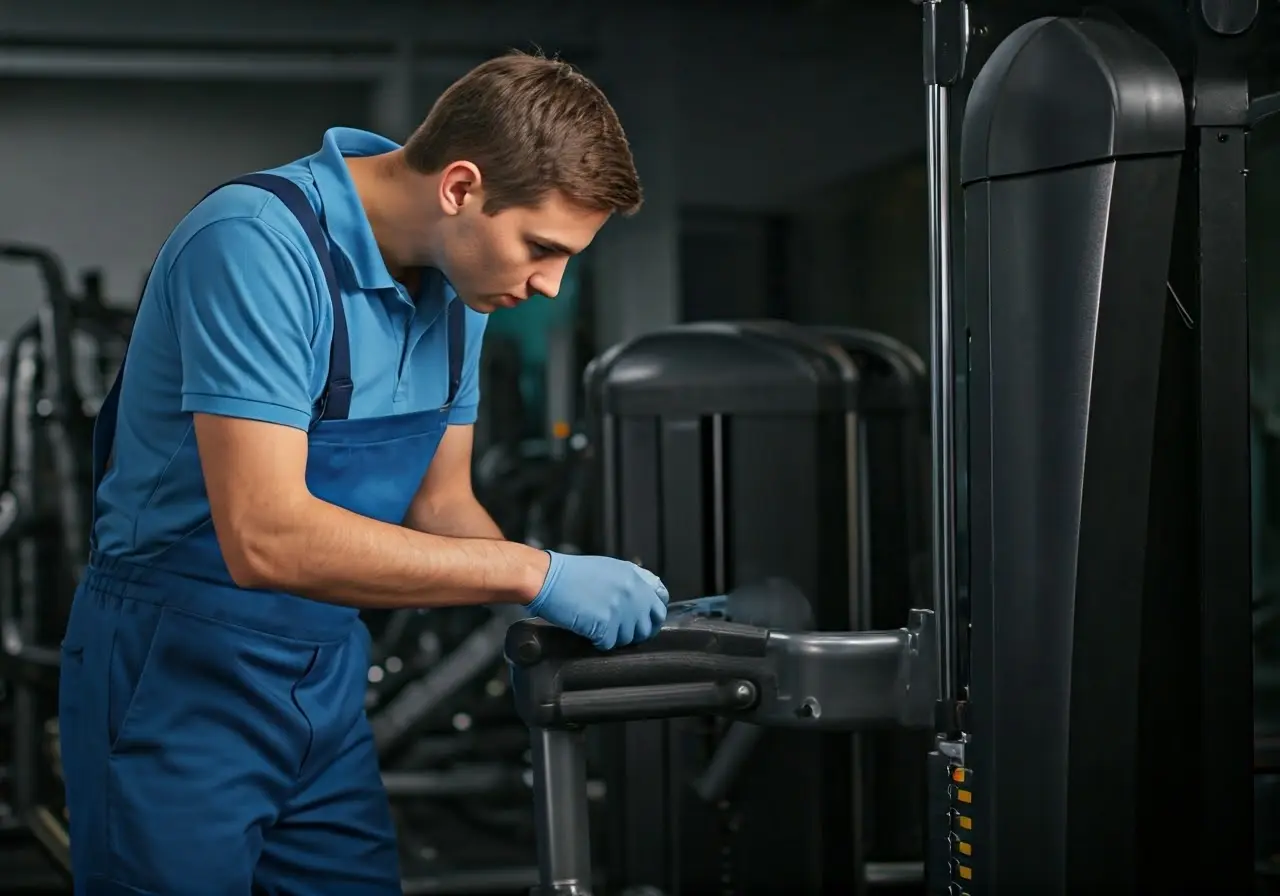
x=529 y=651
x=809 y=709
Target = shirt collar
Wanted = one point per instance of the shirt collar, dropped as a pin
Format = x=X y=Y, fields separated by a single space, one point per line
x=344 y=216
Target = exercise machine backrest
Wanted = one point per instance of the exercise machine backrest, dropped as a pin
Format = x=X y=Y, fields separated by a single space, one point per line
x=725 y=457
x=1070 y=154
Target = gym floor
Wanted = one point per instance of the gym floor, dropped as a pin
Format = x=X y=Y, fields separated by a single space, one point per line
x=27 y=869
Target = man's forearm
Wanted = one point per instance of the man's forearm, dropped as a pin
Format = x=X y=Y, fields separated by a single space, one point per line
x=462 y=517
x=322 y=551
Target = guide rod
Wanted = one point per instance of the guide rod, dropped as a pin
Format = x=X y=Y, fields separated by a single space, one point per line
x=944 y=50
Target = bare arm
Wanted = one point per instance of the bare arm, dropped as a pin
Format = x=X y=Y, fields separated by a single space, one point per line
x=445 y=503
x=275 y=534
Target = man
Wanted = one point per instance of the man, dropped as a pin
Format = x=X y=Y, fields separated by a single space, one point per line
x=290 y=441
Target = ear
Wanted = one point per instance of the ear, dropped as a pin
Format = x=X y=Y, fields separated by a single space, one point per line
x=459 y=187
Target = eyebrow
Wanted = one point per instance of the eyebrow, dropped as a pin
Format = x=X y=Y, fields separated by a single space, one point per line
x=553 y=245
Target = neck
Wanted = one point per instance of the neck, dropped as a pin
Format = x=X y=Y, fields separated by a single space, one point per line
x=381 y=184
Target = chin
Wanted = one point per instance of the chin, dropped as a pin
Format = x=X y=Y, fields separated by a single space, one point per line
x=480 y=305
x=475 y=303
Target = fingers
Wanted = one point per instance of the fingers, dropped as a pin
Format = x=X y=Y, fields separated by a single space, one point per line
x=658 y=615
x=655 y=583
x=648 y=615
x=631 y=633
x=647 y=625
x=644 y=628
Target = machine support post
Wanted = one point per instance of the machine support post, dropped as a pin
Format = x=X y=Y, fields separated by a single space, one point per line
x=560 y=799
x=945 y=42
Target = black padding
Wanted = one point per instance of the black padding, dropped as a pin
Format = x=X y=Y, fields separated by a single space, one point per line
x=1062 y=92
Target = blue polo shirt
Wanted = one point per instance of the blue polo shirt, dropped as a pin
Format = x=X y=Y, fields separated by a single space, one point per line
x=236 y=321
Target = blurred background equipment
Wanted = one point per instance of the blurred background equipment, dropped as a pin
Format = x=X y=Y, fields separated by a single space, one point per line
x=781 y=247
x=137 y=119
x=57 y=368
x=769 y=450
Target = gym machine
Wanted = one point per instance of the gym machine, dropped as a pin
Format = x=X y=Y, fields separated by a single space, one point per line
x=773 y=450
x=703 y=661
x=56 y=370
x=1085 y=668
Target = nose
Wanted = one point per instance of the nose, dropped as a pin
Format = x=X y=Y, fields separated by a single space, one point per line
x=546 y=282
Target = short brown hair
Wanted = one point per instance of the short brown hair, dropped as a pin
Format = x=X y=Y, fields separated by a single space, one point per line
x=532 y=125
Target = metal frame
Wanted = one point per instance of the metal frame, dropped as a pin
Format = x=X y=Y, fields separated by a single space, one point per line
x=702 y=663
x=1266 y=748
x=944 y=63
x=1214 y=50
x=1220 y=122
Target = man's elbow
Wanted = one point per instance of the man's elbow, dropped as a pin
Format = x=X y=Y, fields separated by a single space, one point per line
x=433 y=510
x=253 y=570
x=262 y=554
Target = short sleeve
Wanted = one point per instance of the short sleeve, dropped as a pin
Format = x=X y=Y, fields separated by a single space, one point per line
x=242 y=299
x=466 y=404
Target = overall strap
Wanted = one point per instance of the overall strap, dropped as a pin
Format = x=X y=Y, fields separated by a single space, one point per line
x=335 y=402
x=457 y=346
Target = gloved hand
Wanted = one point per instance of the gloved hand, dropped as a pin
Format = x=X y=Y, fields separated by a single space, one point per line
x=609 y=602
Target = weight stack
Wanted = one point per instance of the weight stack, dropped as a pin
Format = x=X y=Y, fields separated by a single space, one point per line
x=729 y=453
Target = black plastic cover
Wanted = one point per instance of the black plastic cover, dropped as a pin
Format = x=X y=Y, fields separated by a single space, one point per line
x=892 y=377
x=1075 y=355
x=763 y=367
x=1060 y=92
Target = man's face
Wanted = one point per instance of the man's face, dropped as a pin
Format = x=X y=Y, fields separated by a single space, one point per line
x=499 y=261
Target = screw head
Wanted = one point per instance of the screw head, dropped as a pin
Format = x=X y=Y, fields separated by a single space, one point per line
x=809 y=709
x=528 y=651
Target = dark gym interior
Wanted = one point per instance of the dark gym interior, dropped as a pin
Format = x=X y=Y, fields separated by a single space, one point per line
x=938 y=378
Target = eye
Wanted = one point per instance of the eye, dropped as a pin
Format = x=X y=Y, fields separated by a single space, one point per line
x=538 y=251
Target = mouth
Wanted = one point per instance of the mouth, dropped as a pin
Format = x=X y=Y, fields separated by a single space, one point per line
x=507 y=301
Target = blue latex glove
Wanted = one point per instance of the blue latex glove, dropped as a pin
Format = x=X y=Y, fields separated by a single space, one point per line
x=609 y=602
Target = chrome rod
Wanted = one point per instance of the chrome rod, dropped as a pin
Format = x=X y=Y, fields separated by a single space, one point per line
x=942 y=373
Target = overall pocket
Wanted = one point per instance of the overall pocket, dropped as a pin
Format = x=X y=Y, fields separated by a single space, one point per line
x=74 y=729
x=82 y=714
x=136 y=640
x=187 y=684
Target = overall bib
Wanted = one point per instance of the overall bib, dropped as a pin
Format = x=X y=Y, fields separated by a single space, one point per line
x=214 y=739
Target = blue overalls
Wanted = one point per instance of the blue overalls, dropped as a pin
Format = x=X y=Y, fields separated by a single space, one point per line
x=214 y=739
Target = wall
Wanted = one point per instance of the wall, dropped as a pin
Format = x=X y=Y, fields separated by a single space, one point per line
x=783 y=104
x=102 y=173
x=859 y=253
x=747 y=111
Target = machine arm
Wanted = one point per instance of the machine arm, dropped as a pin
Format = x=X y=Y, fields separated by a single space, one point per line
x=700 y=665
x=703 y=662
